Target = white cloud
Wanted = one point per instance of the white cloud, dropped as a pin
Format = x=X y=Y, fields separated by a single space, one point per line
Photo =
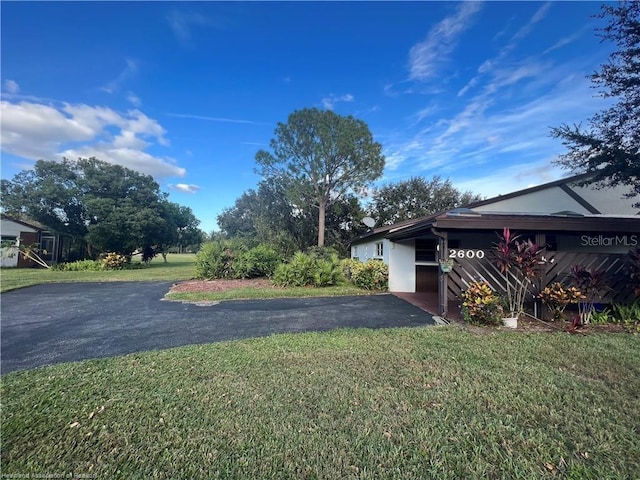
x=11 y=86
x=184 y=187
x=35 y=131
x=425 y=58
x=330 y=101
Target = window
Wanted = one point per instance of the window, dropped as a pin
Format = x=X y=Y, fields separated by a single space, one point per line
x=355 y=252
x=426 y=250
x=379 y=249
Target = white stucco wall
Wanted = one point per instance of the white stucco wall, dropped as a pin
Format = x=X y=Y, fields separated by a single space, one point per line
x=549 y=200
x=610 y=200
x=366 y=251
x=8 y=228
x=554 y=199
x=402 y=269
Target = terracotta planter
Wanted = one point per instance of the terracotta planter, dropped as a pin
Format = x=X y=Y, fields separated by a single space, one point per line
x=510 y=322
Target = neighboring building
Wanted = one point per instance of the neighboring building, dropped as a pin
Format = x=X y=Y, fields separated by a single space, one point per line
x=27 y=233
x=578 y=225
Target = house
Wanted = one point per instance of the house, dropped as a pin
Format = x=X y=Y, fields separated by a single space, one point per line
x=578 y=225
x=19 y=232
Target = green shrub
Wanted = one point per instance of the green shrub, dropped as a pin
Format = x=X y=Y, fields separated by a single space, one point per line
x=627 y=313
x=80 y=266
x=481 y=305
x=371 y=275
x=220 y=259
x=600 y=318
x=308 y=269
x=114 y=261
x=350 y=267
x=260 y=261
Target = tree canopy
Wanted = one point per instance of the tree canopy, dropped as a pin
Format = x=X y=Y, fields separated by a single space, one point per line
x=610 y=147
x=416 y=197
x=265 y=215
x=109 y=207
x=318 y=157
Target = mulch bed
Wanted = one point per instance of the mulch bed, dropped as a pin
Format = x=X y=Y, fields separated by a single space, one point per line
x=219 y=285
x=528 y=324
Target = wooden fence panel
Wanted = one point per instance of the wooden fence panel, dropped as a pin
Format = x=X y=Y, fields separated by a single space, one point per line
x=618 y=288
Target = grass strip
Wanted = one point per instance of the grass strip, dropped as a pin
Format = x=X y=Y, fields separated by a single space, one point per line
x=178 y=267
x=251 y=293
x=434 y=402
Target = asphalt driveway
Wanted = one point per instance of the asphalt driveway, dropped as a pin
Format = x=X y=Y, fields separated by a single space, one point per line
x=55 y=323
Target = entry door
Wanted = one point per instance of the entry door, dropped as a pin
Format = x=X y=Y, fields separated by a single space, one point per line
x=427 y=278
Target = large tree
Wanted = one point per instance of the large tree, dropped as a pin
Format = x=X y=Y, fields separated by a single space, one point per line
x=415 y=198
x=319 y=157
x=610 y=147
x=110 y=207
x=266 y=215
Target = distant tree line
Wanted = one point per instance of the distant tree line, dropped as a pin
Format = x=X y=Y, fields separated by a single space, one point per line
x=101 y=207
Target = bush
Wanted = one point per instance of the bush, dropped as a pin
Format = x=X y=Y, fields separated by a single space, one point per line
x=260 y=261
x=114 y=261
x=350 y=267
x=308 y=269
x=219 y=259
x=480 y=304
x=80 y=266
x=370 y=275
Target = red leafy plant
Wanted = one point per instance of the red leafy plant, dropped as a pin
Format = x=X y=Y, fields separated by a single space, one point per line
x=518 y=262
x=590 y=283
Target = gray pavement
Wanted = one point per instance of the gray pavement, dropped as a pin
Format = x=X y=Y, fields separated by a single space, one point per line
x=54 y=323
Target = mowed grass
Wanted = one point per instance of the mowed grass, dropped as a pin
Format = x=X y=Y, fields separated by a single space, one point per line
x=247 y=293
x=435 y=402
x=178 y=267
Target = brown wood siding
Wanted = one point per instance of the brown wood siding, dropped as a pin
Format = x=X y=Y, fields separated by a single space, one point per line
x=618 y=288
x=426 y=278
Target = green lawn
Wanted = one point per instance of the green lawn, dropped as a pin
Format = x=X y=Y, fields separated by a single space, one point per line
x=435 y=402
x=270 y=292
x=178 y=267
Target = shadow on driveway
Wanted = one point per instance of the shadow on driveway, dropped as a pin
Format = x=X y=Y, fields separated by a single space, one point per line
x=55 y=323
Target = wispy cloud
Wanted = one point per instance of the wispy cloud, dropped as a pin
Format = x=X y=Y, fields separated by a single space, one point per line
x=487 y=66
x=134 y=100
x=184 y=187
x=129 y=71
x=183 y=23
x=11 y=86
x=212 y=119
x=427 y=57
x=567 y=40
x=329 y=102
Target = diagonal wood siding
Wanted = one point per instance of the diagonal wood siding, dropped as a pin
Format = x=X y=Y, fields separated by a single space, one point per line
x=618 y=289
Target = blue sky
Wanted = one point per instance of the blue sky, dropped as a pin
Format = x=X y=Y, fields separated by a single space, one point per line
x=189 y=92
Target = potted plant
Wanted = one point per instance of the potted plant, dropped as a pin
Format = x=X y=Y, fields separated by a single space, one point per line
x=446 y=264
x=517 y=260
x=556 y=297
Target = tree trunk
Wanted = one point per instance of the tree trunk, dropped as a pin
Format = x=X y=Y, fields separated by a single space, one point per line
x=321 y=214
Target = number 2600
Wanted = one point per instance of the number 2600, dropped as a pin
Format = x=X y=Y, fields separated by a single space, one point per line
x=458 y=253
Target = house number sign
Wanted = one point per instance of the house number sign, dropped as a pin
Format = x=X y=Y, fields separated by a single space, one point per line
x=465 y=253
